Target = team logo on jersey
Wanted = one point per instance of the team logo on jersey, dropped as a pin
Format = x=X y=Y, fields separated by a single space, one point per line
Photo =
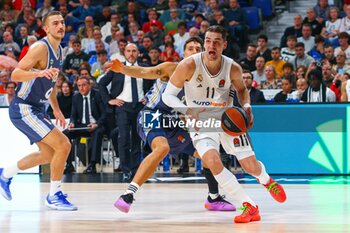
x=181 y=138
x=199 y=78
x=151 y=120
x=48 y=93
x=236 y=142
x=222 y=83
x=51 y=63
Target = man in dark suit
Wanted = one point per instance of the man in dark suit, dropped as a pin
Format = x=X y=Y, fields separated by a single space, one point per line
x=88 y=110
x=126 y=99
x=256 y=96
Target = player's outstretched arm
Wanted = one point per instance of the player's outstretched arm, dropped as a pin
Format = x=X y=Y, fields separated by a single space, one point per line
x=183 y=72
x=162 y=71
x=344 y=96
x=35 y=55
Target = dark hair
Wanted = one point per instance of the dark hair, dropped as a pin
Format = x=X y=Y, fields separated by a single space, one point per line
x=70 y=86
x=307 y=25
x=195 y=39
x=315 y=73
x=276 y=48
x=85 y=78
x=245 y=71
x=167 y=44
x=149 y=37
x=263 y=36
x=10 y=82
x=123 y=40
x=102 y=52
x=319 y=39
x=288 y=78
x=218 y=29
x=77 y=41
x=181 y=24
x=287 y=65
x=344 y=35
x=172 y=37
x=292 y=37
x=154 y=48
x=300 y=44
x=252 y=45
x=81 y=69
x=50 y=14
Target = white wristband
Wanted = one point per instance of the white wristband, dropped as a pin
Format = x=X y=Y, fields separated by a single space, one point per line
x=246 y=105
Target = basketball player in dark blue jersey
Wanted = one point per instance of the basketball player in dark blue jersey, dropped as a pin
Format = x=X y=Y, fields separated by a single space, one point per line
x=163 y=141
x=36 y=74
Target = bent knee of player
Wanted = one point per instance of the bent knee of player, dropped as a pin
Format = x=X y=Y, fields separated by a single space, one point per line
x=213 y=161
x=251 y=165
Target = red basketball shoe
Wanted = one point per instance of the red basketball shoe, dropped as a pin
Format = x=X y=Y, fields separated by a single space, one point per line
x=276 y=190
x=249 y=214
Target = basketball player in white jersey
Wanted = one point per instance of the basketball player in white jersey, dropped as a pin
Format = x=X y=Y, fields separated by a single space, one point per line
x=37 y=73
x=345 y=91
x=207 y=79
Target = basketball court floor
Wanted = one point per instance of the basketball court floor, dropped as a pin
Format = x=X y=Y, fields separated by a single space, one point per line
x=175 y=204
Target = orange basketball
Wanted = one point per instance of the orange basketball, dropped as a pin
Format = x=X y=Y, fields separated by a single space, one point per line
x=234 y=121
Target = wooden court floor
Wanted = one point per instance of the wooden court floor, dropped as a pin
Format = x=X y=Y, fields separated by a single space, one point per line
x=173 y=208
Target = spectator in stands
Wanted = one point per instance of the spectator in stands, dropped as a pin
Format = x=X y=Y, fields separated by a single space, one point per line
x=115 y=21
x=87 y=111
x=72 y=23
x=250 y=58
x=22 y=40
x=203 y=28
x=169 y=54
x=126 y=97
x=287 y=89
x=147 y=43
x=133 y=29
x=343 y=46
x=68 y=49
x=317 y=52
x=81 y=12
x=213 y=6
x=88 y=42
x=154 y=56
x=171 y=26
x=180 y=37
x=310 y=19
x=155 y=33
x=193 y=32
x=64 y=99
x=288 y=72
x=256 y=96
x=262 y=49
x=140 y=35
x=31 y=40
x=72 y=62
x=301 y=72
x=25 y=12
x=88 y=23
x=109 y=39
x=165 y=17
x=98 y=38
x=259 y=73
x=307 y=38
x=219 y=19
x=7 y=8
x=294 y=30
x=152 y=18
x=332 y=27
x=8 y=42
x=6 y=99
x=276 y=61
x=120 y=55
x=271 y=82
x=160 y=5
x=322 y=10
x=236 y=20
x=341 y=66
x=327 y=73
x=99 y=48
x=85 y=72
x=190 y=7
x=329 y=53
x=317 y=91
x=44 y=10
x=345 y=22
x=300 y=57
x=301 y=87
x=167 y=38
x=288 y=52
x=103 y=17
x=97 y=69
x=114 y=46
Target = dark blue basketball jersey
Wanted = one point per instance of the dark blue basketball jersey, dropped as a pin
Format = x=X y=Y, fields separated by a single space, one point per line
x=37 y=91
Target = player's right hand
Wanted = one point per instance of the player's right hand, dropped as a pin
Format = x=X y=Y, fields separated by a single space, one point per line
x=51 y=73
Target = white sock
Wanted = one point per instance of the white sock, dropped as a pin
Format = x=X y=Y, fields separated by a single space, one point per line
x=10 y=171
x=230 y=184
x=133 y=187
x=55 y=187
x=263 y=178
x=213 y=196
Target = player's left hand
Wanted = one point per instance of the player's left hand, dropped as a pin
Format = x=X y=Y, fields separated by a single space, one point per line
x=60 y=118
x=248 y=109
x=92 y=127
x=114 y=65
